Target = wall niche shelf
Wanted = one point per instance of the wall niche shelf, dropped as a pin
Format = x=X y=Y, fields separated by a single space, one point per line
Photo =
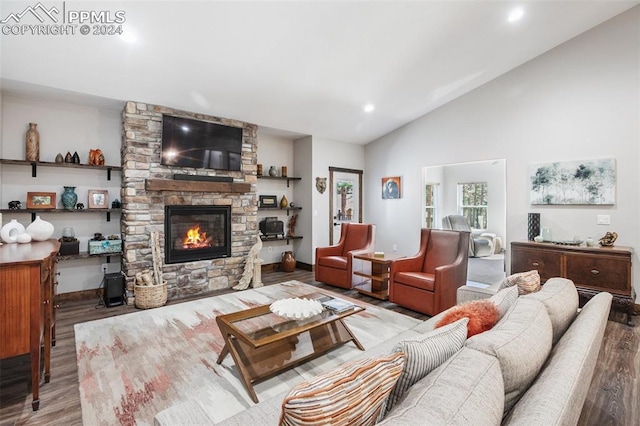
x=267 y=239
x=34 y=166
x=35 y=212
x=287 y=178
x=86 y=255
x=262 y=209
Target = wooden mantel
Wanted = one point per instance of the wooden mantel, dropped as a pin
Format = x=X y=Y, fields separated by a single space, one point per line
x=196 y=186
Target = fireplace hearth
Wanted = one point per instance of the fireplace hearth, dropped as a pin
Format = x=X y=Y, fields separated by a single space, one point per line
x=197 y=233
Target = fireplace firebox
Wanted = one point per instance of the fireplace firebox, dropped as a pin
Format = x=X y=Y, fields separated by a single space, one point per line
x=196 y=233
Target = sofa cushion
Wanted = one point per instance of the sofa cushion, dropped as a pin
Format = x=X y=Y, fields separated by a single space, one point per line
x=505 y=299
x=527 y=282
x=558 y=393
x=521 y=341
x=482 y=315
x=466 y=389
x=350 y=395
x=421 y=280
x=425 y=355
x=337 y=262
x=560 y=297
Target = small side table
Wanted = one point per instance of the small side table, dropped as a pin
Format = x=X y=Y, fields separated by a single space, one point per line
x=375 y=270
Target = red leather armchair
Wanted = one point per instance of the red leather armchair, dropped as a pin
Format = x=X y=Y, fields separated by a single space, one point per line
x=428 y=281
x=334 y=264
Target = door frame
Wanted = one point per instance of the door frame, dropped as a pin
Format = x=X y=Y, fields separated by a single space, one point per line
x=333 y=170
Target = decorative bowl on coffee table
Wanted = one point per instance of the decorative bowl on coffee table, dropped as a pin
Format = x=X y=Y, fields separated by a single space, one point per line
x=296 y=308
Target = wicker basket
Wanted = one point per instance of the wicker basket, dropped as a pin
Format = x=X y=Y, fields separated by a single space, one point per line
x=150 y=296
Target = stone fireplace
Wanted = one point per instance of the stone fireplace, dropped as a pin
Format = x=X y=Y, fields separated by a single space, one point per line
x=151 y=196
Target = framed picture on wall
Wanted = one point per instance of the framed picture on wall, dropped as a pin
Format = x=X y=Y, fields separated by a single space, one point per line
x=41 y=200
x=591 y=182
x=98 y=199
x=391 y=187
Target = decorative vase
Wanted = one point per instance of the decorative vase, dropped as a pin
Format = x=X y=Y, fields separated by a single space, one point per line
x=259 y=171
x=24 y=238
x=533 y=226
x=288 y=261
x=9 y=232
x=69 y=197
x=33 y=143
x=546 y=234
x=589 y=242
x=59 y=158
x=284 y=171
x=284 y=203
x=273 y=171
x=40 y=230
x=68 y=158
x=76 y=158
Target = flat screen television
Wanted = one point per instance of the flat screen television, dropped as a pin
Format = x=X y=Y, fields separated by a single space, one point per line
x=200 y=144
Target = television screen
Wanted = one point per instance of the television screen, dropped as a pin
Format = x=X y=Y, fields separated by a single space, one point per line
x=200 y=144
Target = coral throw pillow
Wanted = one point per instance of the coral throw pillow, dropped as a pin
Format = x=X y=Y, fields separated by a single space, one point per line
x=482 y=314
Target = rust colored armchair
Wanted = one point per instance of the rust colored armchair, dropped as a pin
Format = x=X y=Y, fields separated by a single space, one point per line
x=334 y=264
x=428 y=281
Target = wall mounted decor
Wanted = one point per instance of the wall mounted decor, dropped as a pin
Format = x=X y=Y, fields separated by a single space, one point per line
x=98 y=199
x=41 y=200
x=391 y=187
x=321 y=184
x=590 y=182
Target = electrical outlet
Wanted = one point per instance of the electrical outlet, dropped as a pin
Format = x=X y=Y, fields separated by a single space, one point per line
x=604 y=219
x=104 y=267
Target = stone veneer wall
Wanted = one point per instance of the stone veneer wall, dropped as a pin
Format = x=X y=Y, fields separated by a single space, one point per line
x=143 y=210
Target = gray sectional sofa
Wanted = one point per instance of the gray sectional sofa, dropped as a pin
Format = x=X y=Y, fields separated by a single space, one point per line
x=534 y=367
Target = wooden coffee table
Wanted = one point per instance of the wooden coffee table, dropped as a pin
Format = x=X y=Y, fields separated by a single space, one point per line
x=264 y=344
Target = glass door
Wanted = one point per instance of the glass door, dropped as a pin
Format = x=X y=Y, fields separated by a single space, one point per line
x=345 y=203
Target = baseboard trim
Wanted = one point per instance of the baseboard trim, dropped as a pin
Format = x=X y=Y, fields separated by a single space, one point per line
x=77 y=296
x=276 y=267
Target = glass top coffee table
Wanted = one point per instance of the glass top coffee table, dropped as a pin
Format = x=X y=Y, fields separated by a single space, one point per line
x=263 y=344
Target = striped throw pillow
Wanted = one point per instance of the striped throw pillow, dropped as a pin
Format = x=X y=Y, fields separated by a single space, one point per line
x=527 y=282
x=350 y=395
x=424 y=356
x=505 y=299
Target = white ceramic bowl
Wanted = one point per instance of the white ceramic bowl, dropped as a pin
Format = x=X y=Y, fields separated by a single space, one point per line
x=296 y=308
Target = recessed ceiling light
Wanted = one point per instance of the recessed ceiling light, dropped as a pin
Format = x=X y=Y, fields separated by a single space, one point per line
x=516 y=14
x=369 y=108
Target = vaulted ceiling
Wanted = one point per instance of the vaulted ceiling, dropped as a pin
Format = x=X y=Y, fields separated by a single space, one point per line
x=308 y=67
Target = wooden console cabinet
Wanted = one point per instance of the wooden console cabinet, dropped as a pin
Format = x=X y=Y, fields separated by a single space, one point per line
x=592 y=269
x=27 y=311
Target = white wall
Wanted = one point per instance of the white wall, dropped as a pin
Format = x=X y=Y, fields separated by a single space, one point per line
x=305 y=190
x=63 y=127
x=578 y=101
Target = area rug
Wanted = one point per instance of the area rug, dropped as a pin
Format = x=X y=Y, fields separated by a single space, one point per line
x=132 y=366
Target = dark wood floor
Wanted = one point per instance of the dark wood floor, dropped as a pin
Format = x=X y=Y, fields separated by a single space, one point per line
x=613 y=399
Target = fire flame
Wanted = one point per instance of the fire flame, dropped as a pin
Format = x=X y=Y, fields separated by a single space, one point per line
x=195 y=239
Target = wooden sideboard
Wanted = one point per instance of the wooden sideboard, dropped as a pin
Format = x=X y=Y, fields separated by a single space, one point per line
x=27 y=312
x=592 y=269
